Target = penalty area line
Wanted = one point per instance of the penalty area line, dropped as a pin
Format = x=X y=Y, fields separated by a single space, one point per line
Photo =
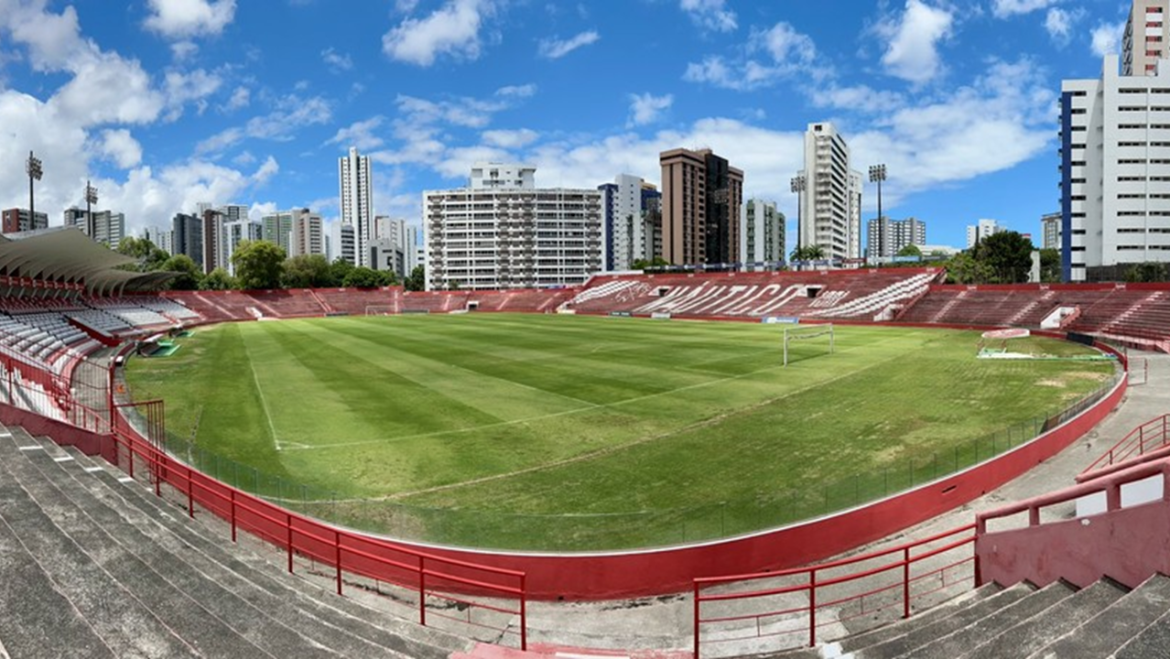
x=264 y=402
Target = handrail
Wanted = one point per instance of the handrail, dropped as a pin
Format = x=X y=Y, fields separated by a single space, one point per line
x=1154 y=433
x=813 y=584
x=217 y=496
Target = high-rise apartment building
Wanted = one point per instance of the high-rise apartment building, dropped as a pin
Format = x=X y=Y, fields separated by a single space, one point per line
x=397 y=245
x=761 y=235
x=108 y=226
x=628 y=205
x=702 y=195
x=17 y=219
x=161 y=238
x=187 y=234
x=1147 y=37
x=982 y=229
x=306 y=235
x=1115 y=172
x=357 y=201
x=511 y=234
x=213 y=243
x=886 y=237
x=651 y=221
x=277 y=227
x=1050 y=230
x=233 y=234
x=830 y=207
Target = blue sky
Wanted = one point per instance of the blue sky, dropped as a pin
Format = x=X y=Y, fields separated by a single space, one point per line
x=166 y=103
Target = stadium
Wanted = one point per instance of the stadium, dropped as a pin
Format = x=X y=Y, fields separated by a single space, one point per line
x=732 y=463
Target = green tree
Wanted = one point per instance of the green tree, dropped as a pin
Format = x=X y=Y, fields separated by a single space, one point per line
x=656 y=262
x=149 y=256
x=417 y=281
x=1009 y=256
x=808 y=253
x=964 y=268
x=1050 y=265
x=363 y=277
x=188 y=276
x=1146 y=272
x=307 y=271
x=338 y=270
x=217 y=280
x=259 y=264
x=910 y=250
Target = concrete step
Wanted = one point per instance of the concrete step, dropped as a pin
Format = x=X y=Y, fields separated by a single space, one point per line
x=125 y=622
x=922 y=634
x=959 y=641
x=1113 y=627
x=1041 y=629
x=36 y=619
x=216 y=555
x=1152 y=643
x=266 y=618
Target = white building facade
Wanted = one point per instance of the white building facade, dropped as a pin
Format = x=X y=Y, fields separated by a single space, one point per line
x=356 y=193
x=495 y=235
x=982 y=229
x=234 y=233
x=306 y=234
x=761 y=234
x=830 y=207
x=1115 y=170
x=886 y=237
x=623 y=234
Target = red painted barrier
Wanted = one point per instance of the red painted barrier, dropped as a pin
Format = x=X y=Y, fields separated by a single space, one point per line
x=1125 y=544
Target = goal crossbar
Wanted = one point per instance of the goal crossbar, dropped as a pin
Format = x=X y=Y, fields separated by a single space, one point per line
x=807 y=332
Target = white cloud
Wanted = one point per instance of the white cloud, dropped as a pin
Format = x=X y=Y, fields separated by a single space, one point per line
x=121 y=147
x=1059 y=23
x=646 y=108
x=53 y=40
x=452 y=30
x=1106 y=39
x=183 y=50
x=196 y=86
x=1006 y=8
x=558 y=48
x=240 y=98
x=292 y=113
x=244 y=158
x=360 y=134
x=786 y=53
x=912 y=53
x=509 y=139
x=710 y=14
x=108 y=89
x=337 y=62
x=517 y=91
x=183 y=19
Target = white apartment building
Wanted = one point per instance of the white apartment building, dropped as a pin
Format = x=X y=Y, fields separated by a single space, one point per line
x=234 y=233
x=1115 y=170
x=761 y=233
x=399 y=236
x=623 y=233
x=355 y=181
x=306 y=234
x=1050 y=230
x=162 y=238
x=830 y=207
x=504 y=232
x=886 y=237
x=982 y=229
x=109 y=227
x=1147 y=37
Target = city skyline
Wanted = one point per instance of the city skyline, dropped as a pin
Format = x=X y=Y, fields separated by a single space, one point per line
x=210 y=105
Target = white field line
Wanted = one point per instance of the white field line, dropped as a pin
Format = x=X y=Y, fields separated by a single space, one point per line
x=614 y=449
x=263 y=401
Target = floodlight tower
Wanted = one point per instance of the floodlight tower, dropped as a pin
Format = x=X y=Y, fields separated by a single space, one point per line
x=90 y=198
x=798 y=185
x=877 y=174
x=33 y=167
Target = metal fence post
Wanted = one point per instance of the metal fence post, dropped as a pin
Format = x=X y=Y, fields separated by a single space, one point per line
x=337 y=556
x=422 y=591
x=812 y=608
x=696 y=619
x=906 y=582
x=233 y=506
x=524 y=614
x=289 y=537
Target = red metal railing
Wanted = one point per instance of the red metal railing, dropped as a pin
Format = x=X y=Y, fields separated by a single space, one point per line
x=433 y=577
x=900 y=584
x=1150 y=436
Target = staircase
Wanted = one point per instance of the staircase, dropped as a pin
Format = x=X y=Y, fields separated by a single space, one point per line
x=1023 y=622
x=92 y=564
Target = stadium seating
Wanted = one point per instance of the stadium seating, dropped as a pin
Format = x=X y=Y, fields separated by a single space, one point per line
x=355 y=301
x=844 y=294
x=291 y=303
x=115 y=572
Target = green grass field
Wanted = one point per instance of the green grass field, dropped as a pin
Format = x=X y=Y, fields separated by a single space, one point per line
x=563 y=432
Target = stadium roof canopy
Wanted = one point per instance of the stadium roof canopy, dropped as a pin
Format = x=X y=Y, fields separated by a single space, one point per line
x=65 y=255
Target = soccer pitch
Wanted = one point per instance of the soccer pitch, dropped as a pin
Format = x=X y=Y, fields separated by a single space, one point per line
x=567 y=432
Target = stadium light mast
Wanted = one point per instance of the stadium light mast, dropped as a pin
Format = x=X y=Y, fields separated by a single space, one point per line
x=90 y=198
x=877 y=174
x=798 y=186
x=33 y=167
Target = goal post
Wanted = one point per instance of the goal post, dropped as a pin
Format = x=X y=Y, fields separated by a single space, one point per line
x=806 y=332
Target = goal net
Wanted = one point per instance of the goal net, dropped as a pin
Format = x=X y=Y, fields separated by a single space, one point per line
x=806 y=333
x=379 y=310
